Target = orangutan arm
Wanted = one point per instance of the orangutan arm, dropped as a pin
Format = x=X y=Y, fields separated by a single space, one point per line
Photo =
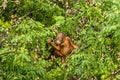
x=72 y=43
x=50 y=41
x=55 y=46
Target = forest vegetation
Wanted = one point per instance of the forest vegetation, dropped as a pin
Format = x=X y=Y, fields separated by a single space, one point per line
x=26 y=25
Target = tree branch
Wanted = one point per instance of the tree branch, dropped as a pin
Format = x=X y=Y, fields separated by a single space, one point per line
x=113 y=73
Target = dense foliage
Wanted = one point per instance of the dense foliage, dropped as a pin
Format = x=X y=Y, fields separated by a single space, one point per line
x=25 y=25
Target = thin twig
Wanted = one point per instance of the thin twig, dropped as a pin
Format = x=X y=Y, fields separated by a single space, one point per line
x=113 y=73
x=19 y=20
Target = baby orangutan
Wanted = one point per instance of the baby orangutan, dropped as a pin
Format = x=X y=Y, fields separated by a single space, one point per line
x=62 y=46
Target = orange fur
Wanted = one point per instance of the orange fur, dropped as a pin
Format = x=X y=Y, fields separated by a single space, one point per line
x=63 y=45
